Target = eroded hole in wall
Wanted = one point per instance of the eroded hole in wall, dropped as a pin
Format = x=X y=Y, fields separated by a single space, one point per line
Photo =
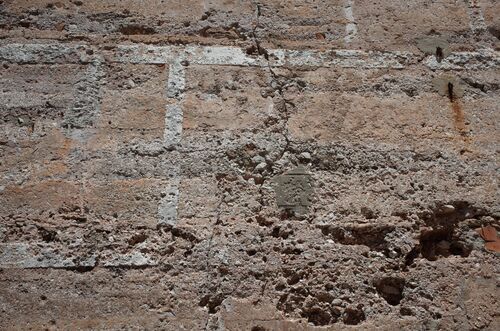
x=440 y=238
x=372 y=236
x=436 y=243
x=353 y=316
x=391 y=289
x=317 y=316
x=47 y=234
x=302 y=297
x=212 y=302
x=136 y=29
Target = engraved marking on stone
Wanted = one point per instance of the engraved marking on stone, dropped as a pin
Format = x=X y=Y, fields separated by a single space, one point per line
x=351 y=29
x=294 y=190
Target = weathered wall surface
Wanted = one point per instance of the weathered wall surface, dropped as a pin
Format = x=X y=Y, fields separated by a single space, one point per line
x=249 y=165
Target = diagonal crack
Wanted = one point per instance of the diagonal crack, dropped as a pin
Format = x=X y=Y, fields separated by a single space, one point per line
x=209 y=249
x=277 y=85
x=275 y=79
x=260 y=50
x=285 y=113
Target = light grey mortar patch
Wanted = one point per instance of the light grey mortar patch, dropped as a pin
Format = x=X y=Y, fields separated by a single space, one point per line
x=174 y=114
x=476 y=17
x=341 y=58
x=173 y=125
x=3 y=229
x=222 y=55
x=176 y=80
x=87 y=99
x=216 y=55
x=147 y=148
x=22 y=255
x=146 y=54
x=482 y=59
x=47 y=53
x=21 y=99
x=167 y=210
x=351 y=29
x=134 y=259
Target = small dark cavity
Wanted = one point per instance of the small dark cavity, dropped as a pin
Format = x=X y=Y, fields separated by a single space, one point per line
x=136 y=30
x=353 y=316
x=494 y=32
x=47 y=235
x=317 y=316
x=439 y=54
x=212 y=302
x=441 y=243
x=450 y=91
x=391 y=289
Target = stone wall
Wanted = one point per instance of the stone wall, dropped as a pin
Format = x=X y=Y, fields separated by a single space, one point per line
x=249 y=165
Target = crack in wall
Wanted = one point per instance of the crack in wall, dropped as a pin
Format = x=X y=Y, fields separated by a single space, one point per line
x=275 y=79
x=208 y=256
x=277 y=82
x=260 y=50
x=233 y=56
x=285 y=113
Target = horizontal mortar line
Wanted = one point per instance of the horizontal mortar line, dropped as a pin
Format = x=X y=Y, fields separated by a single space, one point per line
x=226 y=55
x=236 y=56
x=22 y=255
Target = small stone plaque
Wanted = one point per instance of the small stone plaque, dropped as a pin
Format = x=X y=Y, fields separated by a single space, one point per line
x=442 y=83
x=294 y=190
x=437 y=46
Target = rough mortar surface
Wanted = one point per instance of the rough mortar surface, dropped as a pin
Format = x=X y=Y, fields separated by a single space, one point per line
x=249 y=165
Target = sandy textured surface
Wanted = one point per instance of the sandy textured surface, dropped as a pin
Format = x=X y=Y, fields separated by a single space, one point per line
x=249 y=165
